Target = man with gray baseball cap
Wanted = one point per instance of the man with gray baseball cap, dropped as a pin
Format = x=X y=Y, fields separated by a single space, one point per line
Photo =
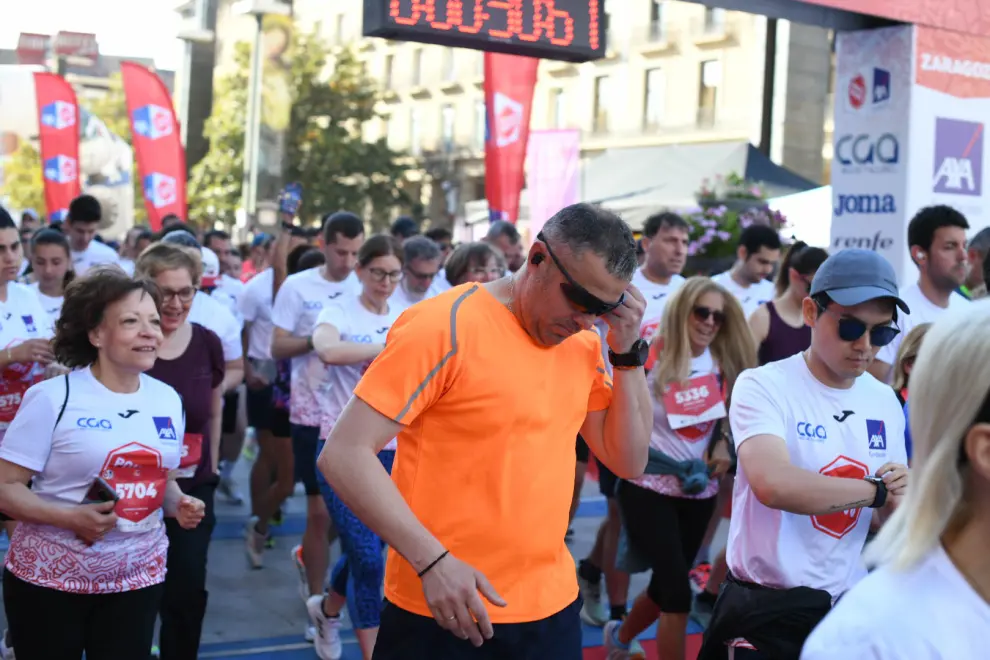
x=818 y=441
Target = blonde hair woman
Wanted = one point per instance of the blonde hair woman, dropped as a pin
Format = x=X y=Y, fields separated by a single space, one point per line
x=930 y=598
x=906 y=356
x=704 y=346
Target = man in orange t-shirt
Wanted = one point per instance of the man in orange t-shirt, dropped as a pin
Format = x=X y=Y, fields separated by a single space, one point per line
x=486 y=386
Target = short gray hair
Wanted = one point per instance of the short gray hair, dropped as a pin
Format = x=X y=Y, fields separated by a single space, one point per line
x=981 y=241
x=419 y=247
x=588 y=227
x=501 y=228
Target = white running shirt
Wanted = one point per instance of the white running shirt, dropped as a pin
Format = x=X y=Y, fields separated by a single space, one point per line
x=95 y=254
x=216 y=316
x=923 y=310
x=51 y=305
x=21 y=318
x=749 y=297
x=256 y=308
x=656 y=294
x=784 y=550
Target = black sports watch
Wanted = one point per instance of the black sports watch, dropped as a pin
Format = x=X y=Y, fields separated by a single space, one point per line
x=635 y=357
x=881 y=496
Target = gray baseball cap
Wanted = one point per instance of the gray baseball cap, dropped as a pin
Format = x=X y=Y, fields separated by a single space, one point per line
x=854 y=276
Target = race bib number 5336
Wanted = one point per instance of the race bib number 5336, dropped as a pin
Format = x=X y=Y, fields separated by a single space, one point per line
x=697 y=401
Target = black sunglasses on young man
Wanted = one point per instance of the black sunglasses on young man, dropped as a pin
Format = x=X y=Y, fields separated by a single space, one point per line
x=580 y=297
x=851 y=329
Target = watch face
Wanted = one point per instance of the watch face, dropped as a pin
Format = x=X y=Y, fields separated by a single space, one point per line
x=642 y=350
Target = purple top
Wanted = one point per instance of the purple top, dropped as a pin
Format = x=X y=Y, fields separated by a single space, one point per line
x=782 y=340
x=194 y=375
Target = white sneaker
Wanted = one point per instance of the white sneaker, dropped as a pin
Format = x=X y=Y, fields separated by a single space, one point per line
x=297 y=561
x=7 y=653
x=254 y=543
x=310 y=633
x=327 y=643
x=593 y=611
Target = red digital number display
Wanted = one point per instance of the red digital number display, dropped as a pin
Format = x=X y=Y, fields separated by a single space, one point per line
x=569 y=30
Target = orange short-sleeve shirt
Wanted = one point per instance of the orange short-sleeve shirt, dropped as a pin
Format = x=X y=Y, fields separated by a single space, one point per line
x=486 y=455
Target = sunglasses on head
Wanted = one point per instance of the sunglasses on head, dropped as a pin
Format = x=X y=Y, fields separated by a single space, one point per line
x=703 y=314
x=576 y=294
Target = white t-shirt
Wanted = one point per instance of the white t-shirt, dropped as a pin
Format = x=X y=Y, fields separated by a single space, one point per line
x=229 y=291
x=214 y=315
x=783 y=550
x=21 y=318
x=298 y=303
x=929 y=612
x=440 y=284
x=100 y=434
x=356 y=324
x=401 y=300
x=52 y=306
x=749 y=297
x=683 y=444
x=656 y=294
x=127 y=265
x=96 y=253
x=256 y=309
x=923 y=310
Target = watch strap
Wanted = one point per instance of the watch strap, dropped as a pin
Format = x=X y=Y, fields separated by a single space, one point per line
x=881 y=497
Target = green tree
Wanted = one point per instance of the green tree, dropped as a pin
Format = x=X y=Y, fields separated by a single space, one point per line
x=112 y=110
x=22 y=180
x=325 y=150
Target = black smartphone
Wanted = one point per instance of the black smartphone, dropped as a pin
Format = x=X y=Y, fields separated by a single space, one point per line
x=99 y=492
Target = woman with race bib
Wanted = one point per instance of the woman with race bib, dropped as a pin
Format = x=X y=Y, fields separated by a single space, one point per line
x=86 y=563
x=348 y=336
x=703 y=346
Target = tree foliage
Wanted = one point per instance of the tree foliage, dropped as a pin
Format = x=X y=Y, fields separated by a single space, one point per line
x=332 y=99
x=22 y=180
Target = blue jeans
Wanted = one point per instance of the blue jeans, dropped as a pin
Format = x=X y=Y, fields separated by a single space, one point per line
x=362 y=560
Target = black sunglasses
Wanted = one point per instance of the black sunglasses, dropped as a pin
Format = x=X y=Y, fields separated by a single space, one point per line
x=851 y=329
x=580 y=297
x=702 y=314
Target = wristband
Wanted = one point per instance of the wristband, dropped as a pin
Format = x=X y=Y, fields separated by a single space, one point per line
x=309 y=342
x=881 y=497
x=433 y=563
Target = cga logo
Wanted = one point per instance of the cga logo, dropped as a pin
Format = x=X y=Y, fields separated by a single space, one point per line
x=58 y=115
x=61 y=169
x=876 y=242
x=94 y=423
x=861 y=153
x=958 y=163
x=159 y=189
x=869 y=89
x=152 y=122
x=508 y=120
x=864 y=205
x=811 y=432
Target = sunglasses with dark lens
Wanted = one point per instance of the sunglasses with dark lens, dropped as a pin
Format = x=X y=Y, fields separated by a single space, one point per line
x=853 y=329
x=576 y=294
x=703 y=313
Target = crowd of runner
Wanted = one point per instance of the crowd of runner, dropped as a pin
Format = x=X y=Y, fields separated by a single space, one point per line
x=427 y=398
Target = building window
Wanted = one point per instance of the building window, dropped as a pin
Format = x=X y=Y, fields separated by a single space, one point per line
x=656 y=20
x=714 y=20
x=417 y=63
x=602 y=101
x=448 y=117
x=558 y=111
x=415 y=133
x=449 y=70
x=389 y=67
x=711 y=80
x=656 y=99
x=480 y=124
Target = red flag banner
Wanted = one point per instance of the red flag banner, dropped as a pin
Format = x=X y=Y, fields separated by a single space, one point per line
x=509 y=84
x=58 y=131
x=161 y=158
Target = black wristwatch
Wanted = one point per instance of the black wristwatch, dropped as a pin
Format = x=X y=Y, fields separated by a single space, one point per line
x=881 y=497
x=635 y=357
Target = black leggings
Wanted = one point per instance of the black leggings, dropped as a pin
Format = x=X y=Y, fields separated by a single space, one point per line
x=47 y=624
x=668 y=531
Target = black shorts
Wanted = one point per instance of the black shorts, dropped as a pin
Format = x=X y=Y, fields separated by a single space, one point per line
x=607 y=480
x=305 y=440
x=583 y=453
x=259 y=408
x=229 y=419
x=281 y=428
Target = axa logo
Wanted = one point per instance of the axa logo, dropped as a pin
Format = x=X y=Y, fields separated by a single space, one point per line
x=94 y=424
x=508 y=119
x=61 y=169
x=58 y=115
x=869 y=88
x=876 y=431
x=29 y=323
x=813 y=432
x=152 y=122
x=865 y=153
x=867 y=204
x=166 y=431
x=160 y=190
x=958 y=167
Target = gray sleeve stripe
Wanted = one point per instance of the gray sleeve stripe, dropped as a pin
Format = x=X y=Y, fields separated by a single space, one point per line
x=444 y=359
x=604 y=373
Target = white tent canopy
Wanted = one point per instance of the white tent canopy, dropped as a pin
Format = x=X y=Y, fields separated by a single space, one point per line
x=809 y=215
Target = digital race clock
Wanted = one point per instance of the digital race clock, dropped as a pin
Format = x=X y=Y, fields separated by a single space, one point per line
x=571 y=30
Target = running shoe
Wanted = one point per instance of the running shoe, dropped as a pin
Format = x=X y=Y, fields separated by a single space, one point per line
x=297 y=560
x=615 y=650
x=6 y=652
x=593 y=612
x=270 y=541
x=254 y=543
x=699 y=576
x=327 y=643
x=228 y=489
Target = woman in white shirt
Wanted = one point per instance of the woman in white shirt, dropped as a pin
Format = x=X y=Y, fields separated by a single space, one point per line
x=930 y=597
x=86 y=563
x=349 y=335
x=704 y=345
x=51 y=265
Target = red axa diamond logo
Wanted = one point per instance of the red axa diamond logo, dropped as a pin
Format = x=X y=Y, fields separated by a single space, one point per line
x=840 y=523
